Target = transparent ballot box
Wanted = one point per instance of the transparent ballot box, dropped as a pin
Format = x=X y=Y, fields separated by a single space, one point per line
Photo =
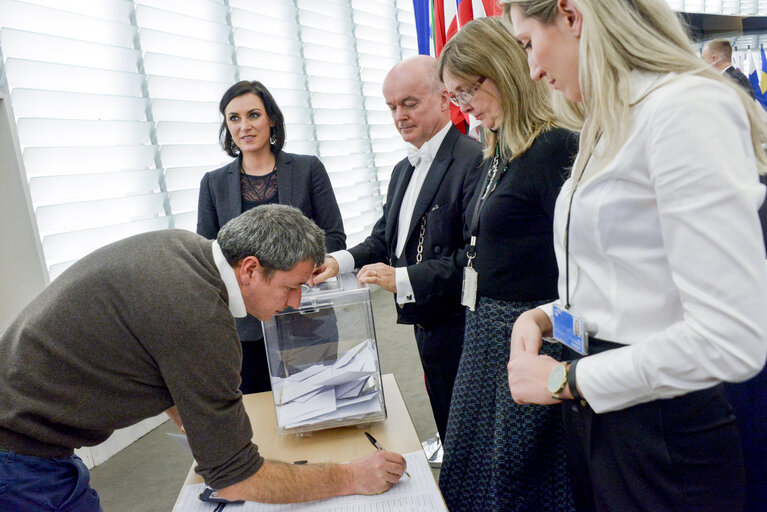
x=323 y=359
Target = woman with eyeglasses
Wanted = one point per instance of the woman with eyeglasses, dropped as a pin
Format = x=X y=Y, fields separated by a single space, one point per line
x=660 y=255
x=500 y=456
x=253 y=133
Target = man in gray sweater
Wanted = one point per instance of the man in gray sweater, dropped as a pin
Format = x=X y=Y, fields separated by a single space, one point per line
x=146 y=325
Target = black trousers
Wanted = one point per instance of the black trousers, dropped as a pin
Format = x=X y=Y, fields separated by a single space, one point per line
x=749 y=401
x=255 y=370
x=440 y=349
x=674 y=455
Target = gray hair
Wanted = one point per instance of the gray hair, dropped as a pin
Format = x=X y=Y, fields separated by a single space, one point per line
x=280 y=236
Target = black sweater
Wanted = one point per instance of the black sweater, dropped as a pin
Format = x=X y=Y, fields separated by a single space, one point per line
x=515 y=250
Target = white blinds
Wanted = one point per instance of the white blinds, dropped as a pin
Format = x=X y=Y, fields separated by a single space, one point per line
x=116 y=103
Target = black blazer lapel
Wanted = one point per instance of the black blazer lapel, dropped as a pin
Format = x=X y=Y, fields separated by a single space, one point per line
x=234 y=202
x=396 y=203
x=434 y=178
x=284 y=178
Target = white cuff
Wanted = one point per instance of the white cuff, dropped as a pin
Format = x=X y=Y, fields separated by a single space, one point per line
x=549 y=310
x=345 y=261
x=405 y=293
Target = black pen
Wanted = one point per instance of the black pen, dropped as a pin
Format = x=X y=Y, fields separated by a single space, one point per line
x=380 y=448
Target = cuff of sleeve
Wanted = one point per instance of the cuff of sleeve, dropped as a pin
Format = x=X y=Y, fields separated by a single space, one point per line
x=609 y=381
x=549 y=310
x=345 y=261
x=405 y=294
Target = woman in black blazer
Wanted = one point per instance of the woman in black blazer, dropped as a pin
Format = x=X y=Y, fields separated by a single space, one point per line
x=253 y=132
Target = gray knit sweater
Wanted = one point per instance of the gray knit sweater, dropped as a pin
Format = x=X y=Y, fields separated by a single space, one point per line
x=122 y=335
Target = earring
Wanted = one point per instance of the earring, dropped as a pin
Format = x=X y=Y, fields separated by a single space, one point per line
x=233 y=147
x=272 y=136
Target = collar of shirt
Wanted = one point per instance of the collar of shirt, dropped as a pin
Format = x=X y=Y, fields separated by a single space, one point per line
x=645 y=82
x=236 y=302
x=428 y=150
x=427 y=153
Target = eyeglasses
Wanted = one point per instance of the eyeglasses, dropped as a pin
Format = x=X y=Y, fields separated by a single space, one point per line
x=464 y=97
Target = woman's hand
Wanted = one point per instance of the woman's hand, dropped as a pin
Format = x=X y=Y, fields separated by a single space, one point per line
x=528 y=330
x=529 y=377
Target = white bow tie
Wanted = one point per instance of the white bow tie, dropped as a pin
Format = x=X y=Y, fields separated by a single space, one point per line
x=414 y=155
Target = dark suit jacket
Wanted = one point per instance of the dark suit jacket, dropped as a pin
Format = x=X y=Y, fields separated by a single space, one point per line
x=444 y=196
x=301 y=182
x=740 y=79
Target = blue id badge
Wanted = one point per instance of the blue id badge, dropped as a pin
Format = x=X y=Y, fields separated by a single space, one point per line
x=569 y=331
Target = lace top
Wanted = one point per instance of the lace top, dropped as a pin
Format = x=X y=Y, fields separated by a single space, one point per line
x=258 y=190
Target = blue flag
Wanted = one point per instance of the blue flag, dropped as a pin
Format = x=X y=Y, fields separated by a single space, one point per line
x=753 y=77
x=422 y=26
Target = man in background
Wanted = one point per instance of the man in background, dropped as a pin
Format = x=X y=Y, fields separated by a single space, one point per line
x=409 y=252
x=718 y=54
x=146 y=325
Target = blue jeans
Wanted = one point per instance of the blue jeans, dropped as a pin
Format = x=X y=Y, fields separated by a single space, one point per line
x=33 y=484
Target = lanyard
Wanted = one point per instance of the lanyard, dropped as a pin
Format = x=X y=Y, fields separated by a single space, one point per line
x=567 y=229
x=493 y=177
x=567 y=244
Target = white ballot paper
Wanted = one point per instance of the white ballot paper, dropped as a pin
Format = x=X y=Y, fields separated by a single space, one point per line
x=322 y=393
x=416 y=494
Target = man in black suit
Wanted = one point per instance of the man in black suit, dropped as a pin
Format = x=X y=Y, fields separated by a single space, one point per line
x=409 y=251
x=718 y=54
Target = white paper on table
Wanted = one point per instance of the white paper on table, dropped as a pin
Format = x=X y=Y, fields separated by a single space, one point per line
x=416 y=494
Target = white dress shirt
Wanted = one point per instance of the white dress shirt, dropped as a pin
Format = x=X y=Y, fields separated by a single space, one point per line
x=421 y=158
x=666 y=251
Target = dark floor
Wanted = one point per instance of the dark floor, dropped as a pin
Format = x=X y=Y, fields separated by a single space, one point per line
x=147 y=475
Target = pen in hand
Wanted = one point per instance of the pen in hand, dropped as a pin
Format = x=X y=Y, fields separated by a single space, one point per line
x=380 y=448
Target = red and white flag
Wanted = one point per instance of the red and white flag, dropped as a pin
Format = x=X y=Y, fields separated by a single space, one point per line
x=449 y=17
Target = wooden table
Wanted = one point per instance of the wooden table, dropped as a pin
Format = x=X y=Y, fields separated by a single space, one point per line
x=341 y=444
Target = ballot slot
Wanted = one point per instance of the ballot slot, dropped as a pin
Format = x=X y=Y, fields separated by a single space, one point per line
x=323 y=359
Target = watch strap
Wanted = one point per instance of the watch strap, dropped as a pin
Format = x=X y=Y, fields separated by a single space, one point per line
x=572 y=384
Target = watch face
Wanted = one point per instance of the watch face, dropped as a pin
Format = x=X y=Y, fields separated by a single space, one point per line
x=557 y=379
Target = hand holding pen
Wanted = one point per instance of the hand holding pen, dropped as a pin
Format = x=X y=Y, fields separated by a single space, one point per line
x=379 y=447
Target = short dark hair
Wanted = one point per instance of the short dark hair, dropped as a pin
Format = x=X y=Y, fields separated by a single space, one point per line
x=721 y=47
x=274 y=113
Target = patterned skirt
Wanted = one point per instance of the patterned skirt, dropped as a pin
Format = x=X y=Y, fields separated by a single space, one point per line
x=499 y=455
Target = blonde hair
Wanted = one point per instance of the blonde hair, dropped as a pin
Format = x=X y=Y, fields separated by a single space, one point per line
x=486 y=47
x=617 y=37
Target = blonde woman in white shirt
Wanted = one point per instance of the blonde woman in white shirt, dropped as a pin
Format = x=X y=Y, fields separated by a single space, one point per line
x=660 y=258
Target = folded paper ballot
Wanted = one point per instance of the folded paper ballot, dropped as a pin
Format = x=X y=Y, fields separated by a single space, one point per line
x=327 y=393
